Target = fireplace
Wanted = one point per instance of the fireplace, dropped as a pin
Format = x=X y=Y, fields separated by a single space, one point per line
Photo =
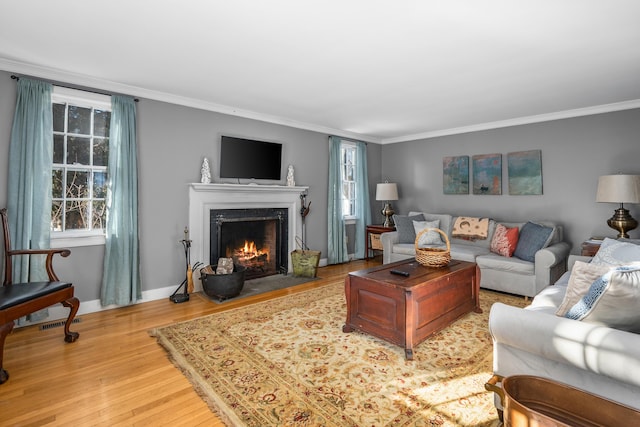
x=206 y=197
x=254 y=238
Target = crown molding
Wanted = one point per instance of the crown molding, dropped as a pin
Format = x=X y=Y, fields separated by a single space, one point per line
x=559 y=115
x=82 y=80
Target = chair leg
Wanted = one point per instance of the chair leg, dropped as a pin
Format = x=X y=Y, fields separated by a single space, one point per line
x=73 y=304
x=4 y=331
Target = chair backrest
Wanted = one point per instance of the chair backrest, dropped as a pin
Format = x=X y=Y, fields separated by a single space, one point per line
x=7 y=246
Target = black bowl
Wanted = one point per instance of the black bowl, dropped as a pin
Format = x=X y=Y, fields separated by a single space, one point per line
x=223 y=286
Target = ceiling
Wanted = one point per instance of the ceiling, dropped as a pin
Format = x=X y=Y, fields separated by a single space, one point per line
x=378 y=70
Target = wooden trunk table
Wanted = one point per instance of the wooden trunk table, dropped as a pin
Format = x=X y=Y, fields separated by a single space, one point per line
x=406 y=310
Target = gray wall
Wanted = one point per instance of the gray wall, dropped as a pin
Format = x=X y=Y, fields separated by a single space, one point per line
x=172 y=141
x=575 y=152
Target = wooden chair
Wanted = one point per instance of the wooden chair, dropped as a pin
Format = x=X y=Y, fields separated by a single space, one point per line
x=19 y=299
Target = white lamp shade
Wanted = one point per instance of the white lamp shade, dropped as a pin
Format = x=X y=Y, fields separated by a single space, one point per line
x=387 y=191
x=618 y=189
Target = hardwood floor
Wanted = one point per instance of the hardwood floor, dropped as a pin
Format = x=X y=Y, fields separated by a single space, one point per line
x=115 y=374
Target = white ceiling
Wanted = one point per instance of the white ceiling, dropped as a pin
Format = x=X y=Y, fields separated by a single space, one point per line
x=378 y=70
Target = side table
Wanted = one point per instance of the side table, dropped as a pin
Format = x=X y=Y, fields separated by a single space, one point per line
x=590 y=247
x=372 y=237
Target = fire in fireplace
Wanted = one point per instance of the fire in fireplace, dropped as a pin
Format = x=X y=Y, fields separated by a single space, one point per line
x=254 y=238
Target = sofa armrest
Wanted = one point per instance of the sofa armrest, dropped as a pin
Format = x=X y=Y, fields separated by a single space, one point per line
x=598 y=349
x=388 y=239
x=550 y=264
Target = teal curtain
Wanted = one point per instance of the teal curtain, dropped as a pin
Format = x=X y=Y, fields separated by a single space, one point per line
x=337 y=243
x=363 y=208
x=121 y=276
x=29 y=183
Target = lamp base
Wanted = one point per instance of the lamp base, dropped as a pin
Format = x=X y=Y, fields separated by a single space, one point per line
x=388 y=212
x=622 y=222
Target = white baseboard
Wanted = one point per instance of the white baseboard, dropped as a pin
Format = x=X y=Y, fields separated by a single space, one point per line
x=58 y=312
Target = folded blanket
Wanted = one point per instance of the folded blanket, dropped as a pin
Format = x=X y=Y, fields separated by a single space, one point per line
x=470 y=228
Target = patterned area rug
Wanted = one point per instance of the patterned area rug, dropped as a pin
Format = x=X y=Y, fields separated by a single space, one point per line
x=286 y=362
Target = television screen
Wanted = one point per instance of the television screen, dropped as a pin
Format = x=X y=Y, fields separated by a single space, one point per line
x=250 y=159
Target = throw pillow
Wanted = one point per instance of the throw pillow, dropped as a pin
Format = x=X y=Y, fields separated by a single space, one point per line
x=613 y=252
x=404 y=227
x=612 y=300
x=532 y=238
x=504 y=240
x=429 y=238
x=583 y=274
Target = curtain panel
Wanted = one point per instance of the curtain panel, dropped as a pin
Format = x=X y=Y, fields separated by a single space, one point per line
x=337 y=237
x=121 y=276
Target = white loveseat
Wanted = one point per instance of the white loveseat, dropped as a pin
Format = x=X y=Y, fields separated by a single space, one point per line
x=497 y=272
x=588 y=355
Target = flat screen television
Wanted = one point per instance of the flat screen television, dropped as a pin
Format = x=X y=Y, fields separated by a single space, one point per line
x=249 y=159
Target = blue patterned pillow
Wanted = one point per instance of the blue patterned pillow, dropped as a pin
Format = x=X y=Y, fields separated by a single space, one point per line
x=404 y=227
x=533 y=237
x=612 y=300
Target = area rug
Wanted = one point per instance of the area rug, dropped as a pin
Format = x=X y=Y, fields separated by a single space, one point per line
x=286 y=362
x=265 y=284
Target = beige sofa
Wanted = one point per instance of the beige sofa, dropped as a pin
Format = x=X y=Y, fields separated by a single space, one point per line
x=500 y=273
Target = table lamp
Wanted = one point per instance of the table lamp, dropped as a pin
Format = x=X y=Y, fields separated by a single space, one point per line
x=387 y=191
x=620 y=189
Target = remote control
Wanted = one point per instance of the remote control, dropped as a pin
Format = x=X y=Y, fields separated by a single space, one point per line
x=400 y=273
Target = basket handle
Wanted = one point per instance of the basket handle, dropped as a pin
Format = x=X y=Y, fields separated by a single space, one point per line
x=426 y=230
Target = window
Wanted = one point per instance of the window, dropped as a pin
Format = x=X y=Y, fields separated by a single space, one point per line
x=348 y=177
x=81 y=123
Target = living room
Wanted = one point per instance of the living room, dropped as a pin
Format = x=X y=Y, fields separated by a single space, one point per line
x=577 y=145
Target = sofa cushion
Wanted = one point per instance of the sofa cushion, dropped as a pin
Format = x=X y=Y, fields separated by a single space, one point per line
x=405 y=249
x=467 y=253
x=470 y=228
x=498 y=262
x=583 y=274
x=404 y=227
x=612 y=300
x=613 y=252
x=482 y=243
x=429 y=238
x=504 y=240
x=532 y=238
x=446 y=220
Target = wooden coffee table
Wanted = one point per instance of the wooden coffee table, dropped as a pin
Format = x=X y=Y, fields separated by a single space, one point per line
x=406 y=310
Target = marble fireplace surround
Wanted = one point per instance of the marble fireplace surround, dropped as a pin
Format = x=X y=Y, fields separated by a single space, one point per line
x=205 y=197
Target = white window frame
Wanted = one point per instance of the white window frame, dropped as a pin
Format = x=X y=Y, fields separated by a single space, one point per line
x=77 y=238
x=351 y=146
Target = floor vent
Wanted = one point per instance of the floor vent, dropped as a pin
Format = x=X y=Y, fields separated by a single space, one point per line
x=57 y=324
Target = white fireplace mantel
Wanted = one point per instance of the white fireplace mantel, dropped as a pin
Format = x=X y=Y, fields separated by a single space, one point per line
x=205 y=197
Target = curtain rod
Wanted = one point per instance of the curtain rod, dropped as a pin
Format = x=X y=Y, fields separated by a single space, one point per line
x=350 y=139
x=14 y=77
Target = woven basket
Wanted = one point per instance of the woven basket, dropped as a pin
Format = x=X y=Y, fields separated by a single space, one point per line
x=433 y=257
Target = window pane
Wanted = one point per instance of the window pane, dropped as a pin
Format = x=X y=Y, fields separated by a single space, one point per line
x=78 y=151
x=99 y=214
x=100 y=151
x=101 y=122
x=58 y=117
x=77 y=184
x=58 y=148
x=76 y=215
x=56 y=216
x=57 y=184
x=99 y=185
x=79 y=120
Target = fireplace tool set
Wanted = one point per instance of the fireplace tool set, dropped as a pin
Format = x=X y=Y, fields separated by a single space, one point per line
x=188 y=280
